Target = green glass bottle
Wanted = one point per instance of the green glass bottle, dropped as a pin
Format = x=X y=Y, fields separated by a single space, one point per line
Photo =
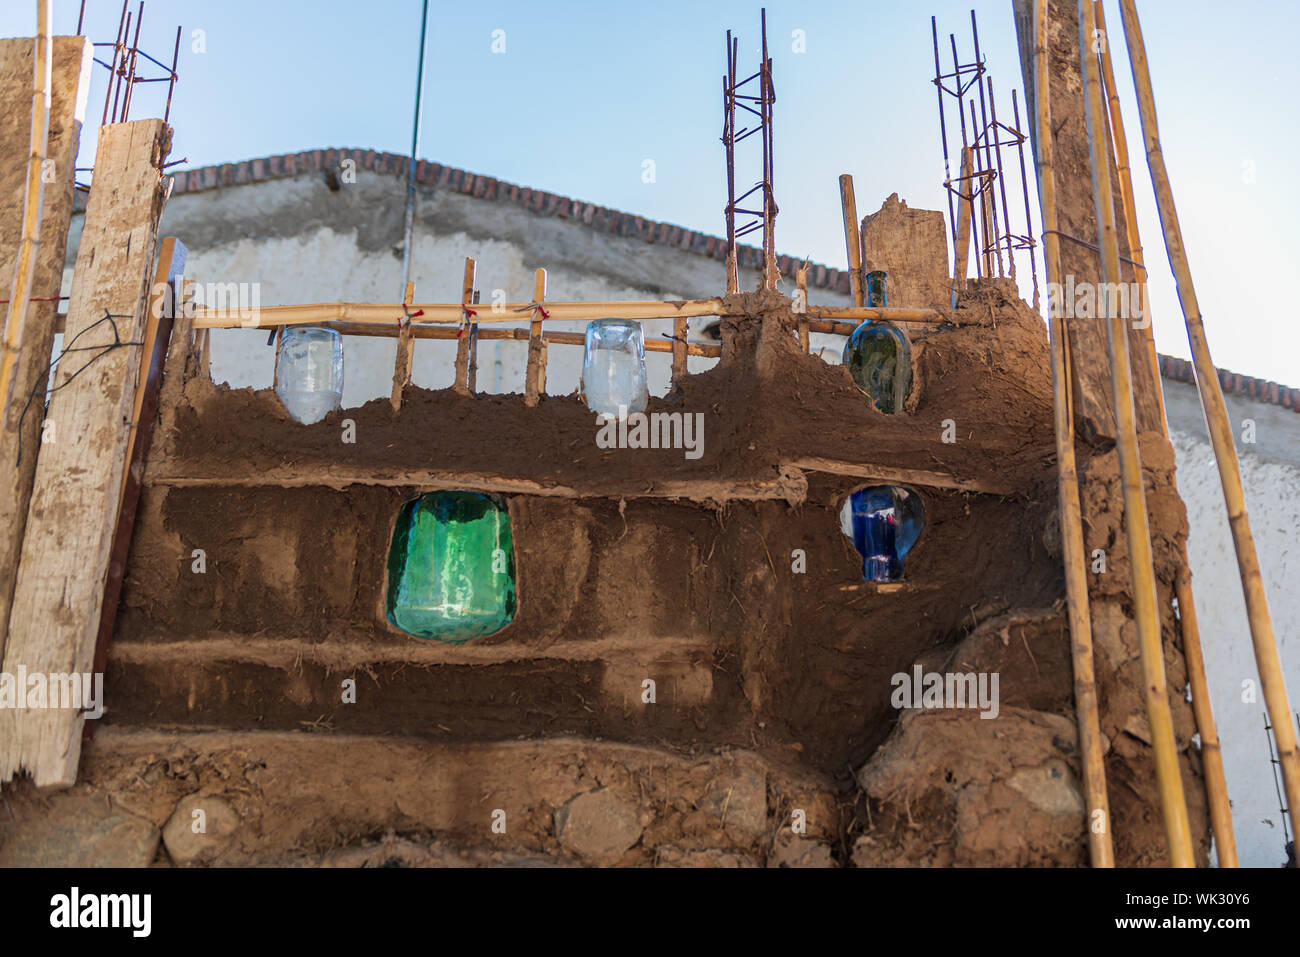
x=878 y=354
x=451 y=567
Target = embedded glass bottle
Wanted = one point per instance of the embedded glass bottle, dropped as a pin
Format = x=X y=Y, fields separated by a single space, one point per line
x=878 y=354
x=884 y=522
x=451 y=567
x=309 y=372
x=613 y=367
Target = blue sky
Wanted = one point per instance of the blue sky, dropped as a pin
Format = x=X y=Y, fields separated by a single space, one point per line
x=586 y=92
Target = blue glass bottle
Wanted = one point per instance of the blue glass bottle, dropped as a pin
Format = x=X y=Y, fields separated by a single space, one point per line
x=884 y=522
x=451 y=567
x=878 y=354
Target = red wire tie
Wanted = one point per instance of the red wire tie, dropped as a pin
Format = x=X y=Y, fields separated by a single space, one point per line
x=39 y=299
x=542 y=310
x=469 y=314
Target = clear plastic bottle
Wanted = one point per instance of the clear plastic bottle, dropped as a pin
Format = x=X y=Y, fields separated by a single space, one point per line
x=613 y=367
x=878 y=354
x=309 y=372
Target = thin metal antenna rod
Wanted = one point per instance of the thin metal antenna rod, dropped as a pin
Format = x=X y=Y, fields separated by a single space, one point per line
x=415 y=148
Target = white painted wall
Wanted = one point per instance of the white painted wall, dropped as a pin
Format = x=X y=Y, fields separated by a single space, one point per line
x=1272 y=486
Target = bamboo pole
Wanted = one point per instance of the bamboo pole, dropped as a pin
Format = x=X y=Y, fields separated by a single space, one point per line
x=706 y=350
x=390 y=314
x=20 y=289
x=1267 y=661
x=1137 y=530
x=849 y=204
x=1100 y=848
x=1216 y=788
x=1126 y=198
x=961 y=252
x=801 y=284
x=535 y=371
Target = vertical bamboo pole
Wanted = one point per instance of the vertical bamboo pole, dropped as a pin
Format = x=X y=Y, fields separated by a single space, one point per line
x=20 y=289
x=850 y=206
x=1272 y=680
x=1100 y=849
x=535 y=374
x=961 y=251
x=405 y=351
x=1216 y=787
x=1137 y=530
x=1126 y=197
x=801 y=282
x=461 y=383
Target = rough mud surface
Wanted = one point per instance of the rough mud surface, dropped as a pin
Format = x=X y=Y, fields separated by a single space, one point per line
x=737 y=595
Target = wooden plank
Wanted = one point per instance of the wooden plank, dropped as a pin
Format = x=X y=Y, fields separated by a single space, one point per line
x=74 y=508
x=163 y=295
x=789 y=485
x=1094 y=405
x=896 y=476
x=535 y=372
x=29 y=236
x=405 y=352
x=20 y=441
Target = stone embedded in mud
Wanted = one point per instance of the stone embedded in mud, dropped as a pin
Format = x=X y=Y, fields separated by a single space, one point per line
x=81 y=831
x=794 y=850
x=598 y=826
x=185 y=845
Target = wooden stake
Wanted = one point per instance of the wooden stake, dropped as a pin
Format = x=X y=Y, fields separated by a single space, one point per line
x=801 y=280
x=1272 y=680
x=461 y=383
x=851 y=237
x=1216 y=787
x=66 y=552
x=29 y=242
x=535 y=372
x=405 y=351
x=1100 y=848
x=1137 y=529
x=961 y=249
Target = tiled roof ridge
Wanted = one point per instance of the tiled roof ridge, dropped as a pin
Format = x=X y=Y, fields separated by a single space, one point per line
x=609 y=220
x=537 y=201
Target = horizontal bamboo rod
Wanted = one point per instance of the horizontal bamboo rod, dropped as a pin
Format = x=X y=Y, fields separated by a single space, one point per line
x=447 y=313
x=382 y=314
x=708 y=350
